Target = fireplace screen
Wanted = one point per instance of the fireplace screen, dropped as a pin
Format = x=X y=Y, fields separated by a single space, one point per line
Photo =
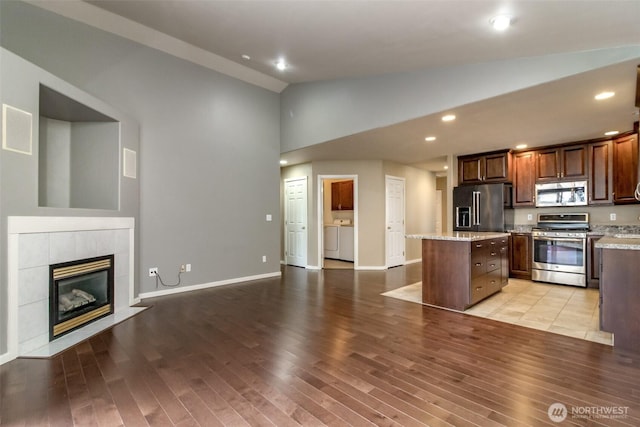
x=81 y=292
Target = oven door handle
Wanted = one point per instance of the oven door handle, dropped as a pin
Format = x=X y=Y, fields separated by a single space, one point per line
x=560 y=239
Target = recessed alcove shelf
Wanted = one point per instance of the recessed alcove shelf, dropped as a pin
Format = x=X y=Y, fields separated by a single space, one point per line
x=78 y=161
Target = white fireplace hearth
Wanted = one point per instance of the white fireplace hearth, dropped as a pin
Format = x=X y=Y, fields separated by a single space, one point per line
x=35 y=243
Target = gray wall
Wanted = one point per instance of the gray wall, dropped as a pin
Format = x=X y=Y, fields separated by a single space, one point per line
x=54 y=179
x=317 y=112
x=94 y=165
x=208 y=157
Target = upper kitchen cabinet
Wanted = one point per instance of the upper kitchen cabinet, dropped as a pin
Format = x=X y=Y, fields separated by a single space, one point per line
x=561 y=163
x=524 y=165
x=485 y=168
x=625 y=168
x=601 y=173
x=342 y=196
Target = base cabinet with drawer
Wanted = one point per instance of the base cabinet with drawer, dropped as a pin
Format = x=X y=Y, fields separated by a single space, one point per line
x=459 y=274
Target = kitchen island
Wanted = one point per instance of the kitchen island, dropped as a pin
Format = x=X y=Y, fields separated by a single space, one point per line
x=459 y=269
x=620 y=290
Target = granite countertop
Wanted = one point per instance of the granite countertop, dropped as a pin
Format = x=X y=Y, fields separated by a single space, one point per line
x=464 y=236
x=620 y=241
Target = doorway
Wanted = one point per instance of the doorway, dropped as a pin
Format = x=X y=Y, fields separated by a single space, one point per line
x=337 y=220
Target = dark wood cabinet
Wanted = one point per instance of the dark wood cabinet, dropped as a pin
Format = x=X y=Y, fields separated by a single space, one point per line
x=477 y=272
x=593 y=261
x=600 y=173
x=485 y=168
x=611 y=168
x=524 y=165
x=342 y=196
x=625 y=169
x=520 y=255
x=561 y=163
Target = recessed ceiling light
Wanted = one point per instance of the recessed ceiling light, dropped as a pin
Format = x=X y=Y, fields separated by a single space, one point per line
x=246 y=57
x=604 y=95
x=521 y=146
x=446 y=167
x=283 y=162
x=448 y=118
x=612 y=132
x=281 y=65
x=500 y=22
x=430 y=138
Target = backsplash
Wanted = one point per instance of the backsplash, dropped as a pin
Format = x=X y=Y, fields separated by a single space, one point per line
x=625 y=215
x=608 y=230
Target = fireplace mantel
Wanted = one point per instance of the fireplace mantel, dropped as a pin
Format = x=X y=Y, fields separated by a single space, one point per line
x=35 y=242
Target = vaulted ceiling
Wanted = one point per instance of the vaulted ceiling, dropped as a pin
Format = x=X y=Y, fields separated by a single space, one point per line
x=323 y=40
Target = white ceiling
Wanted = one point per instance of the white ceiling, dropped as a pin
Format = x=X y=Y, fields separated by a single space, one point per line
x=346 y=39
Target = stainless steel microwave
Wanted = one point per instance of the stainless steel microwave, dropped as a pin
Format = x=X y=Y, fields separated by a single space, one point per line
x=561 y=194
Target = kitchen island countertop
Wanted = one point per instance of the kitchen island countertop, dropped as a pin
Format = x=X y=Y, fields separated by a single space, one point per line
x=463 y=236
x=619 y=241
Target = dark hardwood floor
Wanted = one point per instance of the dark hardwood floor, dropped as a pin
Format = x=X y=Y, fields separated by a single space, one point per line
x=317 y=348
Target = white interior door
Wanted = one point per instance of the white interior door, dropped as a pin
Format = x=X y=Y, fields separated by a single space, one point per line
x=296 y=222
x=395 y=241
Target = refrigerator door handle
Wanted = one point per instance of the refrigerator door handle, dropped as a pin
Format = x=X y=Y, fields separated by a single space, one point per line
x=476 y=208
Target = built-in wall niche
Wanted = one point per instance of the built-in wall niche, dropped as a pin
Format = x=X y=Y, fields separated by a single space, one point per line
x=78 y=154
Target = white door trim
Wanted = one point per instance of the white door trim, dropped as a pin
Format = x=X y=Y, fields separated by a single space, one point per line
x=320 y=217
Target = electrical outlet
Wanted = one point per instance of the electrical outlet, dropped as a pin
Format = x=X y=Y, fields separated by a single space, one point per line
x=529 y=217
x=153 y=272
x=183 y=268
x=188 y=268
x=269 y=217
x=612 y=217
x=264 y=258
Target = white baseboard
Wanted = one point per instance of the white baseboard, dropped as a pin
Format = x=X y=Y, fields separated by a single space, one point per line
x=7 y=357
x=181 y=289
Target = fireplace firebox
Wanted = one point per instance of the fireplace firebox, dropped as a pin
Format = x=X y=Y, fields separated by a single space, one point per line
x=80 y=292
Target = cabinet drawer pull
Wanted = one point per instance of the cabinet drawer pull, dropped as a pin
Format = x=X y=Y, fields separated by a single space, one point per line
x=478 y=264
x=492 y=265
x=494 y=253
x=478 y=245
x=478 y=288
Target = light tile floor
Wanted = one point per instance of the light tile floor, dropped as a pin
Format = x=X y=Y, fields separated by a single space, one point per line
x=334 y=264
x=564 y=310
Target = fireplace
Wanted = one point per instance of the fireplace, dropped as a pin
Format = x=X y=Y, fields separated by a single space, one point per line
x=80 y=292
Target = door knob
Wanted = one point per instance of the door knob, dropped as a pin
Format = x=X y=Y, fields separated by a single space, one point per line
x=303 y=227
x=388 y=228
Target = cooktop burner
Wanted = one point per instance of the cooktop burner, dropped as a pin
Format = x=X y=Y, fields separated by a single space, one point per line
x=563 y=222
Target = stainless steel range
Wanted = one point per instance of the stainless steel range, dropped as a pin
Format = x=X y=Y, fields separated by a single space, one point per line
x=559 y=249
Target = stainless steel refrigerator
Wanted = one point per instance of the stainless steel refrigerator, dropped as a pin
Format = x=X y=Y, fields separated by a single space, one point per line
x=480 y=207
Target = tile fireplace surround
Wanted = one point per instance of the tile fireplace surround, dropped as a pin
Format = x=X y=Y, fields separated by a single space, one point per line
x=34 y=244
